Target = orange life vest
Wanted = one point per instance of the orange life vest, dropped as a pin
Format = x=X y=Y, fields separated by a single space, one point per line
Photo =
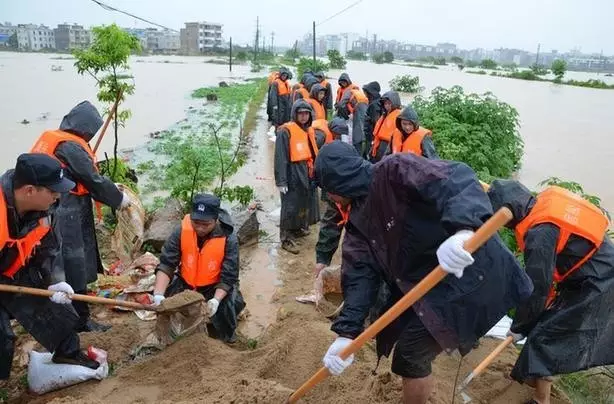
x=341 y=91
x=204 y=267
x=302 y=91
x=272 y=77
x=324 y=83
x=322 y=124
x=303 y=146
x=573 y=215
x=283 y=88
x=345 y=214
x=359 y=97
x=49 y=141
x=25 y=245
x=413 y=143
x=318 y=108
x=384 y=128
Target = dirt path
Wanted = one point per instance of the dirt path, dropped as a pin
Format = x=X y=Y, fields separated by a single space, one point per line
x=292 y=339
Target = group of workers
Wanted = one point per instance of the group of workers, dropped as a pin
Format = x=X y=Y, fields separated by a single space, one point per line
x=404 y=211
x=48 y=240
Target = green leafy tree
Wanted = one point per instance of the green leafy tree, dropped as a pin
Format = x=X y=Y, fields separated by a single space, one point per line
x=106 y=60
x=241 y=56
x=457 y=60
x=388 y=57
x=406 y=84
x=440 y=61
x=354 y=55
x=559 y=67
x=13 y=43
x=308 y=64
x=378 y=58
x=336 y=61
x=488 y=64
x=471 y=63
x=539 y=70
x=477 y=129
x=293 y=53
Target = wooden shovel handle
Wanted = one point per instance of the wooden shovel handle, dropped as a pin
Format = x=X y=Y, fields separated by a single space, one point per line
x=486 y=231
x=487 y=361
x=82 y=298
x=112 y=112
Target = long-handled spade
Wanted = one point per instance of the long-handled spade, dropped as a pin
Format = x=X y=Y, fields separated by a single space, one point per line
x=486 y=231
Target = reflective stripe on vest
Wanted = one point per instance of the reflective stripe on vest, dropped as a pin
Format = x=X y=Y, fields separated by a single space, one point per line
x=25 y=246
x=384 y=128
x=318 y=108
x=204 y=267
x=322 y=125
x=300 y=142
x=413 y=143
x=283 y=88
x=573 y=215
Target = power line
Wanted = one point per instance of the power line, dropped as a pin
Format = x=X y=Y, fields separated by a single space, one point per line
x=110 y=8
x=336 y=14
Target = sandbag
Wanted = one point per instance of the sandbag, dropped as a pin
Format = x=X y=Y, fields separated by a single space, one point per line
x=128 y=236
x=45 y=376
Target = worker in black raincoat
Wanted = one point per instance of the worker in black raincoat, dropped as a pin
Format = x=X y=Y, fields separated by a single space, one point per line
x=374 y=111
x=407 y=215
x=345 y=83
x=328 y=99
x=279 y=99
x=215 y=271
x=410 y=137
x=575 y=330
x=295 y=152
x=317 y=95
x=353 y=107
x=28 y=195
x=69 y=144
x=385 y=126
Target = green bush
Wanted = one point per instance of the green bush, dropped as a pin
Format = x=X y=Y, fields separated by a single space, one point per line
x=440 y=61
x=336 y=61
x=353 y=55
x=406 y=84
x=525 y=75
x=308 y=64
x=488 y=64
x=477 y=129
x=378 y=58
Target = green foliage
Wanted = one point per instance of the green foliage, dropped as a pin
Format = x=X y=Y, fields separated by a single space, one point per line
x=335 y=60
x=482 y=72
x=488 y=64
x=308 y=64
x=378 y=58
x=539 y=69
x=406 y=84
x=4 y=395
x=589 y=387
x=12 y=41
x=292 y=53
x=471 y=63
x=353 y=55
x=123 y=173
x=591 y=83
x=106 y=60
x=421 y=66
x=477 y=129
x=388 y=57
x=457 y=60
x=510 y=67
x=252 y=343
x=524 y=75
x=243 y=194
x=440 y=61
x=241 y=56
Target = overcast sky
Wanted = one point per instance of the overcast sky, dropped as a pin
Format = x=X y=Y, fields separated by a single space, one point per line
x=556 y=24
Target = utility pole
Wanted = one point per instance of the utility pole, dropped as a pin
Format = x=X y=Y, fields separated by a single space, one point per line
x=230 y=61
x=314 y=43
x=537 y=55
x=263 y=44
x=272 y=42
x=257 y=40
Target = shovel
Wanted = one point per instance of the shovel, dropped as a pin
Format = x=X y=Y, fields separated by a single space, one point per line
x=486 y=231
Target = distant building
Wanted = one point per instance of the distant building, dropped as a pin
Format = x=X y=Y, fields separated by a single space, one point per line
x=34 y=37
x=200 y=37
x=73 y=36
x=6 y=32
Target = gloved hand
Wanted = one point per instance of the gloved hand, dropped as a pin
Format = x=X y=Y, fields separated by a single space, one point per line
x=63 y=293
x=517 y=337
x=452 y=256
x=157 y=299
x=332 y=361
x=125 y=202
x=213 y=305
x=283 y=190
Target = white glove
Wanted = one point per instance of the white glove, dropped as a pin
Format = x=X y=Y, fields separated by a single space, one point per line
x=125 y=201
x=345 y=138
x=283 y=190
x=157 y=299
x=517 y=337
x=63 y=293
x=213 y=305
x=332 y=361
x=452 y=256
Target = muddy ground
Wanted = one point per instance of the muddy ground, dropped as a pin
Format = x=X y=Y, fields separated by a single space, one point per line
x=281 y=345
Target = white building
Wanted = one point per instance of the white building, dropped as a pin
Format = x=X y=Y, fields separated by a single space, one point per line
x=169 y=41
x=199 y=37
x=35 y=37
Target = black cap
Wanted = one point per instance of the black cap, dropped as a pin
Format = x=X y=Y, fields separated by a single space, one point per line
x=43 y=171
x=205 y=207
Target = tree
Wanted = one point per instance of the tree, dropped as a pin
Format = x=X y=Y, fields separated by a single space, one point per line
x=488 y=64
x=440 y=61
x=559 y=67
x=539 y=70
x=388 y=57
x=378 y=58
x=354 y=55
x=457 y=60
x=106 y=60
x=336 y=61
x=13 y=43
x=308 y=64
x=242 y=56
x=292 y=53
x=406 y=84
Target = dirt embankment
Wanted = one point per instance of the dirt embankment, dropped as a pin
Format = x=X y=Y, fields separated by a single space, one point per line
x=200 y=369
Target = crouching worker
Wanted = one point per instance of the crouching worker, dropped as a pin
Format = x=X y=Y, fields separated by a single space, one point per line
x=407 y=215
x=202 y=254
x=568 y=319
x=30 y=256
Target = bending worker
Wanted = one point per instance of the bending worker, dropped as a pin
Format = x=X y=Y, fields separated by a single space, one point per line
x=568 y=319
x=30 y=256
x=407 y=215
x=203 y=254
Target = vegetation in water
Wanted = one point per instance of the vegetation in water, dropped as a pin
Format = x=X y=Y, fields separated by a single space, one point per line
x=308 y=64
x=481 y=72
x=559 y=67
x=488 y=64
x=421 y=66
x=385 y=57
x=406 y=84
x=479 y=130
x=355 y=55
x=335 y=60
